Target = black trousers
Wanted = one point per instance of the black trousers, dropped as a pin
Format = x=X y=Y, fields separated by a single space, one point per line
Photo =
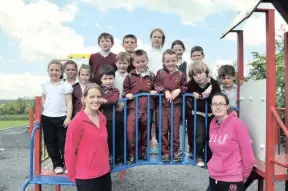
x=102 y=183
x=54 y=138
x=201 y=137
x=225 y=186
x=119 y=137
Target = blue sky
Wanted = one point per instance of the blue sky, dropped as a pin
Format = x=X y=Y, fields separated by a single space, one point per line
x=43 y=30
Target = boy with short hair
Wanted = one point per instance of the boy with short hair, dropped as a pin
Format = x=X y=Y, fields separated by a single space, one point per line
x=139 y=80
x=110 y=97
x=103 y=57
x=226 y=73
x=197 y=53
x=130 y=44
x=173 y=83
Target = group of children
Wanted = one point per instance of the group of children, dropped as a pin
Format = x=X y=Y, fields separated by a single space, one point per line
x=124 y=75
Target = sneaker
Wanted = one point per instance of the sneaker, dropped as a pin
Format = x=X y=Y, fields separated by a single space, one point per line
x=165 y=158
x=142 y=156
x=177 y=158
x=200 y=162
x=131 y=160
x=191 y=156
x=58 y=170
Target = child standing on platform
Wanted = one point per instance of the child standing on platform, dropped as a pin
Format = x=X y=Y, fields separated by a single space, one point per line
x=56 y=114
x=86 y=149
x=130 y=44
x=70 y=68
x=139 y=80
x=110 y=97
x=173 y=84
x=200 y=85
x=85 y=75
x=179 y=48
x=104 y=57
x=227 y=75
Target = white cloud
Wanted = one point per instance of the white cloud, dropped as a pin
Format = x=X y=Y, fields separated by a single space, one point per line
x=190 y=11
x=20 y=85
x=255 y=27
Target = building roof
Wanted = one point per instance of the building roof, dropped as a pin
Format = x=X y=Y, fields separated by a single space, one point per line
x=280 y=5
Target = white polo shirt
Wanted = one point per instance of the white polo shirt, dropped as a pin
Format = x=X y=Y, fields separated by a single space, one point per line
x=155 y=59
x=55 y=102
x=118 y=82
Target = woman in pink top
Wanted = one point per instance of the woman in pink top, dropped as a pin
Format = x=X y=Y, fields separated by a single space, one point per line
x=86 y=149
x=232 y=154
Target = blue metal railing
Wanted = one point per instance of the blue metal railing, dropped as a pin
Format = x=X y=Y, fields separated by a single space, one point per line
x=155 y=160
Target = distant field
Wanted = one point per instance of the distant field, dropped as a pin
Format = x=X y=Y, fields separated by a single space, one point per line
x=7 y=124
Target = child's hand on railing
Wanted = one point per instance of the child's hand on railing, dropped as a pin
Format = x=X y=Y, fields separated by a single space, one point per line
x=168 y=96
x=120 y=107
x=175 y=93
x=153 y=92
x=196 y=95
x=129 y=96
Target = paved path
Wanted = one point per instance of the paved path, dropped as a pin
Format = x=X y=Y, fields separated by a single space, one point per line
x=14 y=171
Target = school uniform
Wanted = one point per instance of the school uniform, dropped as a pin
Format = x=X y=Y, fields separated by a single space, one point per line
x=231 y=94
x=111 y=94
x=136 y=83
x=76 y=98
x=182 y=67
x=98 y=60
x=53 y=116
x=118 y=83
x=87 y=153
x=201 y=136
x=166 y=81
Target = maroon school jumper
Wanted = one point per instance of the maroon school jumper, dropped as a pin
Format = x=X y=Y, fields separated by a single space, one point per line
x=166 y=81
x=136 y=84
x=111 y=95
x=96 y=62
x=76 y=99
x=194 y=87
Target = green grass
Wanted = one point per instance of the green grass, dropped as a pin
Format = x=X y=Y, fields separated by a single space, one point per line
x=7 y=124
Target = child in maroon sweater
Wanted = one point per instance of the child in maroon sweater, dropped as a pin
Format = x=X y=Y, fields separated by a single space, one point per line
x=85 y=75
x=200 y=84
x=104 y=57
x=172 y=83
x=139 y=80
x=110 y=97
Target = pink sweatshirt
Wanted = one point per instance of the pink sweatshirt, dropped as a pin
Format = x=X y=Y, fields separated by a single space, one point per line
x=232 y=154
x=86 y=148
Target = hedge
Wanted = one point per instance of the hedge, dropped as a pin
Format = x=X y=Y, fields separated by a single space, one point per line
x=14 y=117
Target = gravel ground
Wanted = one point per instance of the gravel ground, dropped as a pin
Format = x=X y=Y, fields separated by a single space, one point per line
x=14 y=170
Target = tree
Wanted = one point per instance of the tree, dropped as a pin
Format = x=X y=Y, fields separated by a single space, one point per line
x=258 y=71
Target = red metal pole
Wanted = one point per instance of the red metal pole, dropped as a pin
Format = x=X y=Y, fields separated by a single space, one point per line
x=271 y=98
x=37 y=143
x=286 y=84
x=240 y=64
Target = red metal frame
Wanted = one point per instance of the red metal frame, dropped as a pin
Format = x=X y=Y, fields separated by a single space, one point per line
x=37 y=143
x=286 y=84
x=240 y=63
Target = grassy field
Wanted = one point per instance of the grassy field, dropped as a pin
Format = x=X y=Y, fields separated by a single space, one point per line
x=6 y=124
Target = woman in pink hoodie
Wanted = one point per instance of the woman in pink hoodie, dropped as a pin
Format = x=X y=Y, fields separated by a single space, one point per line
x=232 y=154
x=86 y=148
